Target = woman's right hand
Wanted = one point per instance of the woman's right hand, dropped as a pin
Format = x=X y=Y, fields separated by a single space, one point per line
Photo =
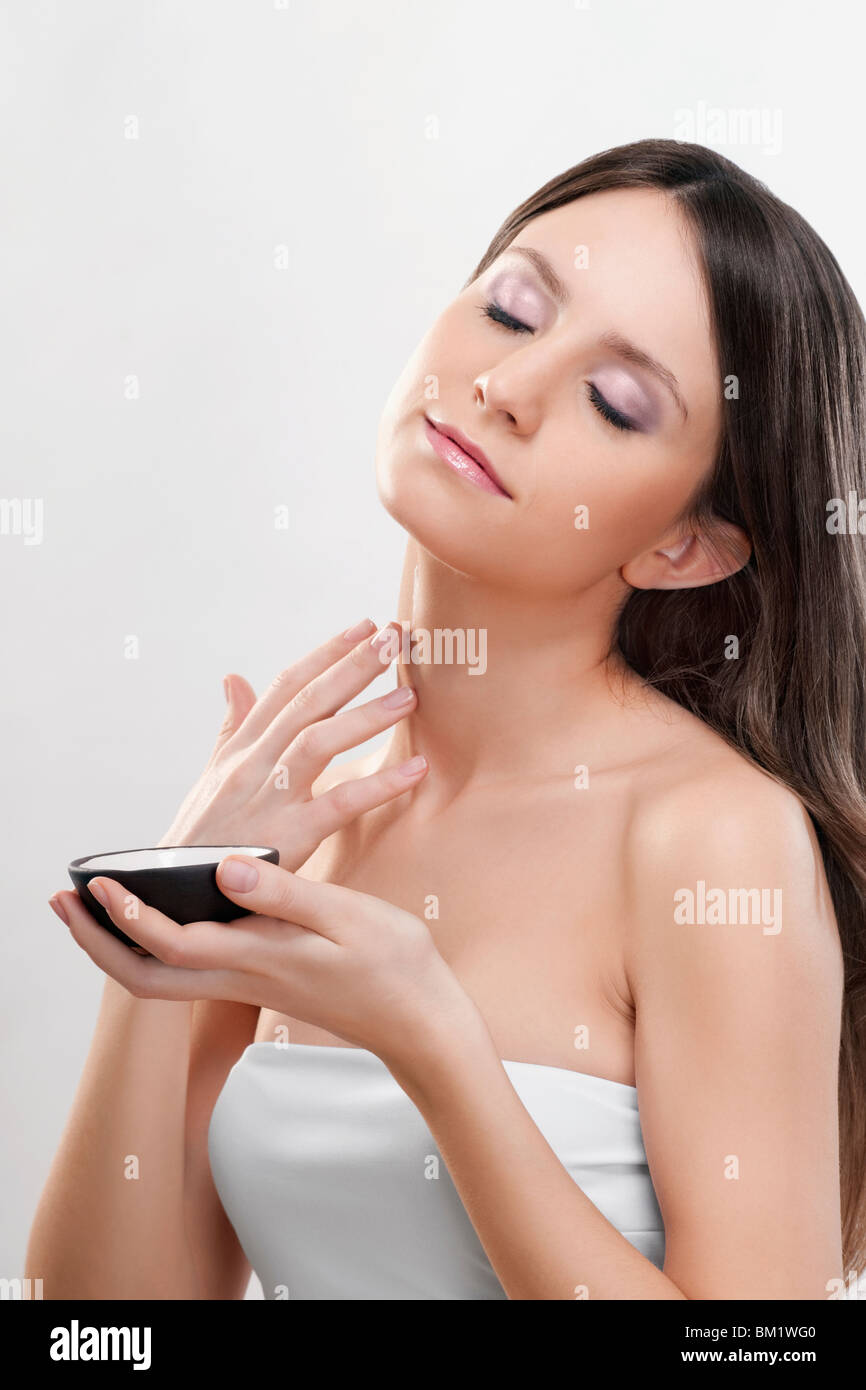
x=257 y=786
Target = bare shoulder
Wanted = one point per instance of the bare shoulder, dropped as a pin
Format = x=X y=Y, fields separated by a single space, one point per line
x=734 y=964
x=711 y=833
x=708 y=793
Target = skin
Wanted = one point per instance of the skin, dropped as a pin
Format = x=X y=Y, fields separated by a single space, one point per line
x=556 y=905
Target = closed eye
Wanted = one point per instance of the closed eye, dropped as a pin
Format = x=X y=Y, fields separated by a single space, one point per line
x=501 y=317
x=605 y=409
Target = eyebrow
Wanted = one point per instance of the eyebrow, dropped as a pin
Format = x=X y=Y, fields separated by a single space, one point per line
x=612 y=340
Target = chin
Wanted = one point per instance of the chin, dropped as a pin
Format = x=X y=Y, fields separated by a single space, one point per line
x=506 y=554
x=449 y=517
x=428 y=519
x=433 y=512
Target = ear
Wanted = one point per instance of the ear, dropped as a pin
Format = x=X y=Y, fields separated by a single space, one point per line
x=702 y=556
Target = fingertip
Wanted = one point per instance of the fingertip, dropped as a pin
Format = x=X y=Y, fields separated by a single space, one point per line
x=359 y=630
x=96 y=886
x=58 y=908
x=414 y=767
x=79 y=912
x=239 y=873
x=386 y=643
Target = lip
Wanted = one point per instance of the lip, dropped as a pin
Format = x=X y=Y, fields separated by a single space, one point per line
x=460 y=453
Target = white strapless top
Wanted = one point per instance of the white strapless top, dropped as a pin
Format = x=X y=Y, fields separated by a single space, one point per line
x=336 y=1189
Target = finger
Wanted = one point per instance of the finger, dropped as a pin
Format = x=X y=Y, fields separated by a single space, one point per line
x=286 y=896
x=348 y=800
x=309 y=754
x=325 y=695
x=289 y=682
x=145 y=977
x=240 y=699
x=196 y=945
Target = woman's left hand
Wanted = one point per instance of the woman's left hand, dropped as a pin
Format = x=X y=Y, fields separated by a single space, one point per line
x=327 y=955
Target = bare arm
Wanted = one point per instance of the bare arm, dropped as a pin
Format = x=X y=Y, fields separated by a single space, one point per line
x=129 y=1209
x=112 y=1219
x=736 y=1057
x=737 y=1043
x=220 y=1032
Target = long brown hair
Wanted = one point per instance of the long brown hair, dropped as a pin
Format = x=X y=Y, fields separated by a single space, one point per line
x=791 y=343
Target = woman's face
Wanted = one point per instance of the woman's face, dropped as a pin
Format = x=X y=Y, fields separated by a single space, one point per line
x=537 y=375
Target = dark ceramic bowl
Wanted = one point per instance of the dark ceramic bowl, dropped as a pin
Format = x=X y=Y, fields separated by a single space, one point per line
x=177 y=880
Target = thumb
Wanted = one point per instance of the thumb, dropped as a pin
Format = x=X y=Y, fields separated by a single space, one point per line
x=266 y=889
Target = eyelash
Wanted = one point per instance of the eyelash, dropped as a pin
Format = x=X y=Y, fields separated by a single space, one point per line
x=500 y=316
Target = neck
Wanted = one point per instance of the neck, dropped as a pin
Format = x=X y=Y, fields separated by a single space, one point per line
x=505 y=682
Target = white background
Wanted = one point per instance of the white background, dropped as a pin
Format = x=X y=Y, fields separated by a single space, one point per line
x=305 y=126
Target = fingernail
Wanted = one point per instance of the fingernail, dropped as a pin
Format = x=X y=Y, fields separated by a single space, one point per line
x=383 y=643
x=52 y=903
x=98 y=891
x=235 y=874
x=403 y=695
x=354 y=634
x=413 y=766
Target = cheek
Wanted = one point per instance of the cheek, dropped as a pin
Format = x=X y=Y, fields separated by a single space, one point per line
x=587 y=518
x=451 y=353
x=439 y=370
x=437 y=367
x=406 y=391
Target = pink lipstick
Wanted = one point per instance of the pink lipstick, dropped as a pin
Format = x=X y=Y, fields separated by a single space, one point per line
x=459 y=452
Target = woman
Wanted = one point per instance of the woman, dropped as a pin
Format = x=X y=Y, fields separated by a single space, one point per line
x=600 y=951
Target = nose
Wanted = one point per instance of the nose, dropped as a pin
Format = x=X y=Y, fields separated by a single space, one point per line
x=518 y=404
x=484 y=397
